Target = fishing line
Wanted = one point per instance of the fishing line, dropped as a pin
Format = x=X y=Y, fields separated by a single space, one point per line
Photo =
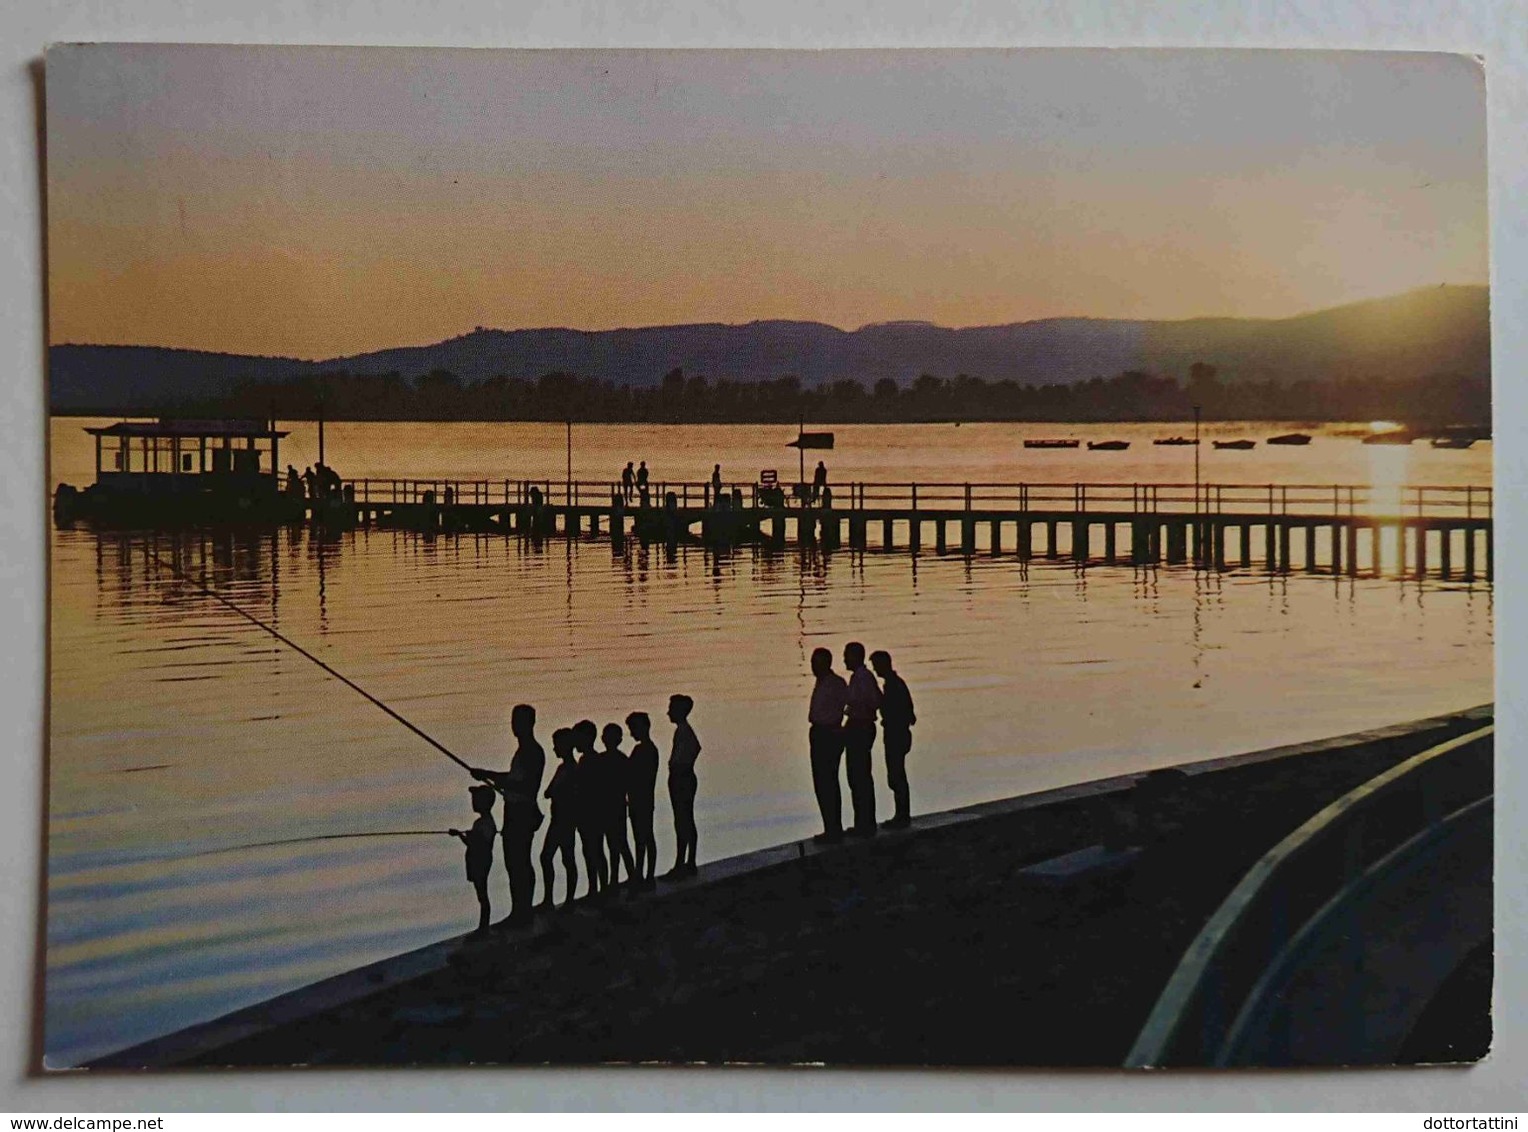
x=340 y=676
x=317 y=837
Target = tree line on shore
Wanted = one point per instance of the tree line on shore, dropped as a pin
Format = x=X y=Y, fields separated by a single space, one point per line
x=1133 y=395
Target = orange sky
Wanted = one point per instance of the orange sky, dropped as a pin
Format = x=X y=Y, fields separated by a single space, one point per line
x=318 y=202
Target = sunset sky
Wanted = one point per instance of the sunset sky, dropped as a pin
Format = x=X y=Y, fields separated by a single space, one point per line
x=317 y=202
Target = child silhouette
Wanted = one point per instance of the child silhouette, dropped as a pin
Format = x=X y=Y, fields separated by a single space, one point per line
x=479 y=842
x=562 y=833
x=641 y=788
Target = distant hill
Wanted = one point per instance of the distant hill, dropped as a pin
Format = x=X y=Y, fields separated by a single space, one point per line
x=1430 y=331
x=140 y=378
x=1404 y=337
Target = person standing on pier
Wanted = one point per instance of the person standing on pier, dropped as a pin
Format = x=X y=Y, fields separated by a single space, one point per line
x=825 y=719
x=562 y=833
x=864 y=700
x=819 y=480
x=716 y=485
x=591 y=830
x=682 y=784
x=641 y=795
x=293 y=482
x=897 y=719
x=519 y=787
x=628 y=478
x=642 y=482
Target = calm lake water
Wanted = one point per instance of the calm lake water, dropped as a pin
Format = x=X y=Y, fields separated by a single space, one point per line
x=178 y=729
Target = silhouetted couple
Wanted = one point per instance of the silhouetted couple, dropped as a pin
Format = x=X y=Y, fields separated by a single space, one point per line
x=634 y=482
x=842 y=723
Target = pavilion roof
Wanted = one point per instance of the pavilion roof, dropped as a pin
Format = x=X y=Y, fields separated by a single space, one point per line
x=242 y=429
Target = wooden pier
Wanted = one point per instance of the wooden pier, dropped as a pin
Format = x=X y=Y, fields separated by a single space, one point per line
x=1416 y=531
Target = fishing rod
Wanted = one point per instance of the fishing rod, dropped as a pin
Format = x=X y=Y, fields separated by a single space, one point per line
x=317 y=837
x=340 y=676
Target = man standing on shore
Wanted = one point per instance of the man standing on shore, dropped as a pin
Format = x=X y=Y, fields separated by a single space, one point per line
x=519 y=786
x=897 y=719
x=826 y=735
x=859 y=737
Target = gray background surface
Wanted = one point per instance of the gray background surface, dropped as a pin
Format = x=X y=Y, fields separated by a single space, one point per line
x=1494 y=30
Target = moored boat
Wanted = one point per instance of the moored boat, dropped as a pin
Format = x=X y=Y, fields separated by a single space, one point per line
x=1235 y=445
x=1291 y=438
x=1452 y=441
x=1052 y=443
x=1108 y=445
x=169 y=473
x=1168 y=441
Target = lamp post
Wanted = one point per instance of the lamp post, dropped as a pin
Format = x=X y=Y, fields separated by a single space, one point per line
x=1196 y=459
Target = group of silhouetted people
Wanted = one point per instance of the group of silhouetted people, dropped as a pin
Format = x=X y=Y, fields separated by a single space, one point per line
x=634 y=484
x=593 y=794
x=318 y=482
x=842 y=723
x=603 y=798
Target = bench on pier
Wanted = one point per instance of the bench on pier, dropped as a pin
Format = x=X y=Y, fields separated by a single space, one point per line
x=1080 y=866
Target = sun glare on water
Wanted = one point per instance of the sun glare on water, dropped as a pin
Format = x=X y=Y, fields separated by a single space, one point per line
x=1384 y=426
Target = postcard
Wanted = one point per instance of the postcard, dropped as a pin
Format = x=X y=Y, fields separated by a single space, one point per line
x=921 y=558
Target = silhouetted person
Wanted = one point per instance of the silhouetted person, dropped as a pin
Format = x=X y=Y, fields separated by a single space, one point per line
x=859 y=737
x=310 y=478
x=716 y=484
x=683 y=784
x=819 y=480
x=628 y=480
x=591 y=831
x=642 y=478
x=450 y=495
x=562 y=832
x=610 y=798
x=293 y=482
x=328 y=480
x=897 y=719
x=479 y=843
x=641 y=791
x=519 y=786
x=825 y=718
x=827 y=498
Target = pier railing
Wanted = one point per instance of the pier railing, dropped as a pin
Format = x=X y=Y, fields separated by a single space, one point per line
x=1425 y=501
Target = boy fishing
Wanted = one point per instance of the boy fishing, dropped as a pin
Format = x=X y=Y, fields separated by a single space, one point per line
x=479 y=843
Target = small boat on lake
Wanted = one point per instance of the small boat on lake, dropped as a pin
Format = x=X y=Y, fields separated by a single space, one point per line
x=1168 y=441
x=1235 y=445
x=1291 y=438
x=1452 y=441
x=806 y=440
x=1052 y=443
x=1108 y=445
